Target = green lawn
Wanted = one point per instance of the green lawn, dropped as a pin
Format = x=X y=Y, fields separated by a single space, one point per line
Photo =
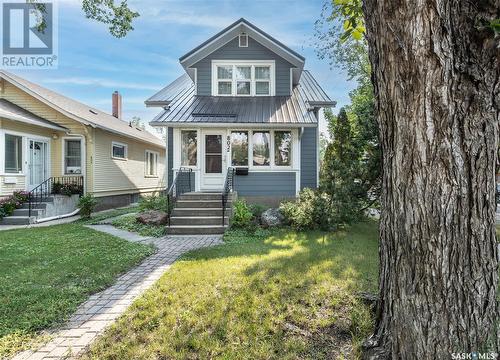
x=281 y=295
x=47 y=272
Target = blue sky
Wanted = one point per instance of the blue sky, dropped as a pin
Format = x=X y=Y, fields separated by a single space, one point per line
x=93 y=64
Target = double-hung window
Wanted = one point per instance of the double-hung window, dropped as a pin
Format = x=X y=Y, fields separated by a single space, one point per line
x=243 y=79
x=151 y=163
x=72 y=156
x=13 y=154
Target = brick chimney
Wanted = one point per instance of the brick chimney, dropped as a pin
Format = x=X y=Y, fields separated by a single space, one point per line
x=117 y=105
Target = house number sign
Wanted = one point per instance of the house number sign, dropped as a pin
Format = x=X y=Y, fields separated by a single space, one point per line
x=228 y=143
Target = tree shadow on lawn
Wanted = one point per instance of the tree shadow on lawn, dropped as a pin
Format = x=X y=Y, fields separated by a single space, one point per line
x=309 y=280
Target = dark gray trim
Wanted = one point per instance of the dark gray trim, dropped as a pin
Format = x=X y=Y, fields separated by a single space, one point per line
x=308 y=158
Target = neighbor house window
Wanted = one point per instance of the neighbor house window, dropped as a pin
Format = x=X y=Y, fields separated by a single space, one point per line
x=119 y=150
x=282 y=148
x=72 y=156
x=260 y=144
x=239 y=148
x=13 y=154
x=243 y=79
x=189 y=145
x=151 y=163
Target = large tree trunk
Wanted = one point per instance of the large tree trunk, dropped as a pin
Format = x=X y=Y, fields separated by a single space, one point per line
x=436 y=78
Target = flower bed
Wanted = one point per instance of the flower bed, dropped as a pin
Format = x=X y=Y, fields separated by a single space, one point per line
x=13 y=202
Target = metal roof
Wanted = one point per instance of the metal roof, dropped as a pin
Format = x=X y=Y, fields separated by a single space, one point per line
x=11 y=111
x=184 y=106
x=81 y=112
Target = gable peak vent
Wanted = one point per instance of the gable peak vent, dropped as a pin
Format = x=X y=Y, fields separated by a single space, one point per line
x=243 y=40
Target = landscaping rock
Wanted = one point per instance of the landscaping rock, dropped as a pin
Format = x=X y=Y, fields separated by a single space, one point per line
x=152 y=217
x=271 y=218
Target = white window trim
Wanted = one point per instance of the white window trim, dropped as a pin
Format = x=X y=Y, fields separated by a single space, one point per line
x=294 y=163
x=82 y=155
x=146 y=163
x=239 y=39
x=252 y=64
x=116 y=143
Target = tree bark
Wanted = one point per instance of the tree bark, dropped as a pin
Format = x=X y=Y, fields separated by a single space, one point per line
x=436 y=74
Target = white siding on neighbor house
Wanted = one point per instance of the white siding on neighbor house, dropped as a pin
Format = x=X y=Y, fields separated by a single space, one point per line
x=31 y=104
x=116 y=176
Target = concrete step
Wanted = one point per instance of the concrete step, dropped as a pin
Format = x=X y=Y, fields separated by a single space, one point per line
x=200 y=204
x=201 y=196
x=25 y=212
x=198 y=220
x=35 y=206
x=195 y=229
x=15 y=220
x=183 y=212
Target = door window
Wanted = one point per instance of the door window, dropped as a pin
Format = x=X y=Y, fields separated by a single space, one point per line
x=213 y=154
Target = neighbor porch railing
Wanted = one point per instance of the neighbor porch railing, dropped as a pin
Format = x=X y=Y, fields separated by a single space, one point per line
x=228 y=189
x=66 y=185
x=180 y=185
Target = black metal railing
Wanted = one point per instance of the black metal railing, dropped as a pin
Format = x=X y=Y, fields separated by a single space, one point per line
x=64 y=185
x=228 y=188
x=180 y=185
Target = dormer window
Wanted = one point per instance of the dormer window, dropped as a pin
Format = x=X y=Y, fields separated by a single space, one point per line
x=243 y=40
x=249 y=78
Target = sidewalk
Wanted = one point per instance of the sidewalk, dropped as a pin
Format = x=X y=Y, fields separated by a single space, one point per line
x=101 y=309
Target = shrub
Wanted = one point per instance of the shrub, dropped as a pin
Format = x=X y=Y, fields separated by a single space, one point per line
x=257 y=210
x=242 y=216
x=87 y=205
x=2 y=213
x=153 y=202
x=310 y=211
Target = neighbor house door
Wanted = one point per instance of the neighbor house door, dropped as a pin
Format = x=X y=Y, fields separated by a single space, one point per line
x=37 y=162
x=213 y=160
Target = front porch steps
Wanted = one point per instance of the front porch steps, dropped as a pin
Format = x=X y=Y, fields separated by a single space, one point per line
x=21 y=216
x=199 y=214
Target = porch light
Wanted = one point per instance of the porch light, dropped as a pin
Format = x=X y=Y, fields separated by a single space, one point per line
x=55 y=136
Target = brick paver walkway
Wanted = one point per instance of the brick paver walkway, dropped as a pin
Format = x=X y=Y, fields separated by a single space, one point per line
x=101 y=309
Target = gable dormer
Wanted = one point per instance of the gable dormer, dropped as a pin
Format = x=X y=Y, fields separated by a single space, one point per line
x=242 y=60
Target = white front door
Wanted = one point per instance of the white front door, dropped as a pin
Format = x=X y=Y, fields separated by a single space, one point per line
x=37 y=162
x=213 y=160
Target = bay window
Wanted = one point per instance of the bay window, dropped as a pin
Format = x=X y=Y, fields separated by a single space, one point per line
x=243 y=79
x=13 y=154
x=189 y=144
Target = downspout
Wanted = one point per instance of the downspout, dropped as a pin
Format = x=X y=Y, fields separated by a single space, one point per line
x=57 y=217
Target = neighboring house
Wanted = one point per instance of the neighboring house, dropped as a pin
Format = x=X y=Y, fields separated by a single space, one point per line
x=46 y=135
x=245 y=101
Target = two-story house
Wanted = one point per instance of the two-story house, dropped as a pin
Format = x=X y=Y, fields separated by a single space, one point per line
x=246 y=102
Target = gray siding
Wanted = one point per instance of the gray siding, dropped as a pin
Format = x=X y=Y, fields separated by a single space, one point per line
x=265 y=184
x=308 y=158
x=254 y=51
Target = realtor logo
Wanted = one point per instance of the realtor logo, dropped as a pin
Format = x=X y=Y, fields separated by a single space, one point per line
x=29 y=35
